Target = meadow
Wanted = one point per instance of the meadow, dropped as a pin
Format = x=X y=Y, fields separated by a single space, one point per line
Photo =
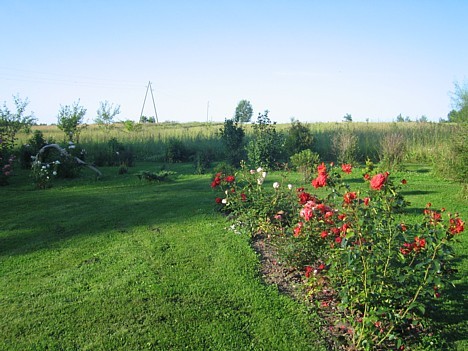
x=423 y=140
x=122 y=263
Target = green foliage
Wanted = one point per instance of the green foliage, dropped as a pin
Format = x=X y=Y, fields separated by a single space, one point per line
x=299 y=137
x=132 y=126
x=160 y=176
x=43 y=173
x=232 y=137
x=70 y=121
x=144 y=119
x=265 y=146
x=305 y=163
x=244 y=112
x=202 y=161
x=106 y=114
x=30 y=150
x=11 y=123
x=451 y=161
x=176 y=151
x=460 y=103
x=115 y=154
x=347 y=118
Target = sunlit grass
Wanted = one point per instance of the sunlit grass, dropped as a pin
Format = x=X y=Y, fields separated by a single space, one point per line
x=122 y=264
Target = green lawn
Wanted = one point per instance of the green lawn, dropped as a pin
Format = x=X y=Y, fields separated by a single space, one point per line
x=122 y=264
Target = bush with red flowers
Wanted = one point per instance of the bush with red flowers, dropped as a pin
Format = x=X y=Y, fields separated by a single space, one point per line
x=370 y=276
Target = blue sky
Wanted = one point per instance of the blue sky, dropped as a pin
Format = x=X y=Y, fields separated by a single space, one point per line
x=312 y=60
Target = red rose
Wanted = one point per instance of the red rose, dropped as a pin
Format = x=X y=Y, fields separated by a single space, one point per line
x=349 y=197
x=456 y=226
x=320 y=181
x=322 y=169
x=230 y=179
x=218 y=200
x=346 y=167
x=378 y=181
x=304 y=197
x=308 y=270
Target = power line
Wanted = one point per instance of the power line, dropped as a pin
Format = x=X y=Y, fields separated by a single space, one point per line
x=144 y=101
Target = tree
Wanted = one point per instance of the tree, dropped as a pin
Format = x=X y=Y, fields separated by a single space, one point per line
x=232 y=137
x=70 y=120
x=459 y=114
x=422 y=119
x=243 y=112
x=106 y=113
x=299 y=138
x=400 y=118
x=11 y=123
x=347 y=118
x=264 y=148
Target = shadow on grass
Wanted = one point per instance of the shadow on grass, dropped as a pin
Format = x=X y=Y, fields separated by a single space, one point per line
x=417 y=192
x=37 y=220
x=452 y=309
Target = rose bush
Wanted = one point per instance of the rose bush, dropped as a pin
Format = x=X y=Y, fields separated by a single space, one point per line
x=371 y=276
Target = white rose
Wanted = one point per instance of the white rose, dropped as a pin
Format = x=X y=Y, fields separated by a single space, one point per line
x=290 y=186
x=276 y=185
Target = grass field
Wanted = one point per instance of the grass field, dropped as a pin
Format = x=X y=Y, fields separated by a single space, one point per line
x=423 y=141
x=121 y=264
x=124 y=264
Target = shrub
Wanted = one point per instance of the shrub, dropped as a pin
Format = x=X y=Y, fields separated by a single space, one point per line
x=232 y=137
x=70 y=121
x=265 y=147
x=11 y=123
x=305 y=163
x=43 y=173
x=345 y=146
x=202 y=161
x=369 y=274
x=392 y=151
x=29 y=151
x=451 y=161
x=155 y=177
x=299 y=138
x=115 y=154
x=176 y=151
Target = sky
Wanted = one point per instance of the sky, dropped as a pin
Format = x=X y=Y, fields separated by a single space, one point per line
x=314 y=61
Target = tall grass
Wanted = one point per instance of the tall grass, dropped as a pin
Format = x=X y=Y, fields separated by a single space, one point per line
x=422 y=140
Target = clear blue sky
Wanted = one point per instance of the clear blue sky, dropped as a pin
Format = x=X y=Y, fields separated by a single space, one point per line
x=312 y=60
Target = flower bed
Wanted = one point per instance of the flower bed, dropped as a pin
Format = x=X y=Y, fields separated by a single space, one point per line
x=370 y=276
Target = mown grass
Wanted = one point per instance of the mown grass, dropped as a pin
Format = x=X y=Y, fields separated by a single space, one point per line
x=121 y=264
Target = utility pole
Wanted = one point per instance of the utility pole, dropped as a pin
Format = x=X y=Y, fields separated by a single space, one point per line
x=144 y=101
